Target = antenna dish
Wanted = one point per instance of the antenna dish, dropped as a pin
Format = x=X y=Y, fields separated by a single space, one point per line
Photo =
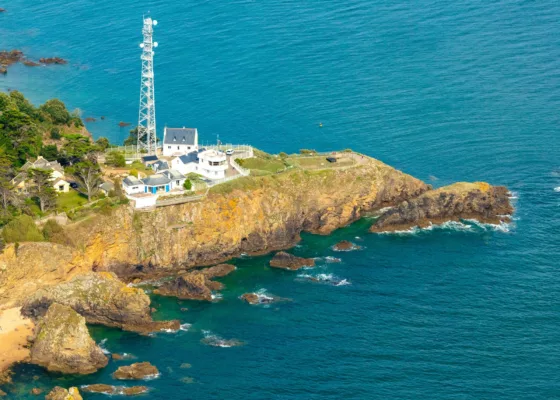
x=154 y=22
x=141 y=45
x=156 y=44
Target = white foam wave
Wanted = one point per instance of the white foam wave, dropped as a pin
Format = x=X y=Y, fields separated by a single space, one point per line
x=325 y=278
x=185 y=327
x=557 y=189
x=468 y=225
x=217 y=297
x=211 y=339
x=102 y=346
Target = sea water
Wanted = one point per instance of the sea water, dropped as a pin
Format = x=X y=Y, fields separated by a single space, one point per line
x=446 y=91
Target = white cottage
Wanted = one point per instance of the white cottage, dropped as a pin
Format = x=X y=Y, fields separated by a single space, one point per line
x=179 y=141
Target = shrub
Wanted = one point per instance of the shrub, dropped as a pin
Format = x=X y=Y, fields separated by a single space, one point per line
x=53 y=232
x=116 y=159
x=347 y=151
x=187 y=185
x=57 y=111
x=22 y=229
x=133 y=172
x=50 y=152
x=240 y=161
x=283 y=155
x=307 y=151
x=55 y=133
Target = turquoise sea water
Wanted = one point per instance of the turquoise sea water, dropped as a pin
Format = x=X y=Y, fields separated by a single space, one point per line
x=453 y=90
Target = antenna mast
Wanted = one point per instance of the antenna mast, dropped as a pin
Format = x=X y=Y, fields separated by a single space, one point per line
x=147 y=141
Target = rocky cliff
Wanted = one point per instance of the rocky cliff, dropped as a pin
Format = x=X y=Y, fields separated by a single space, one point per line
x=249 y=215
x=63 y=344
x=102 y=299
x=461 y=200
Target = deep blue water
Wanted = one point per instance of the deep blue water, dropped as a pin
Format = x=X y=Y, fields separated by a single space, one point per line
x=454 y=90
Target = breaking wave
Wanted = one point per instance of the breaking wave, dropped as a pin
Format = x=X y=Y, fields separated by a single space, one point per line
x=330 y=279
x=557 y=189
x=102 y=346
x=468 y=225
x=211 y=339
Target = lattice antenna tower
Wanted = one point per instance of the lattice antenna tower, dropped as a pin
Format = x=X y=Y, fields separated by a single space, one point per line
x=147 y=141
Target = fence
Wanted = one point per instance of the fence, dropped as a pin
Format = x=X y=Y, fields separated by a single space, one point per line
x=179 y=200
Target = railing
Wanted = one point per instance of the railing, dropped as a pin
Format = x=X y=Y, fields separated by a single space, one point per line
x=179 y=200
x=239 y=168
x=130 y=152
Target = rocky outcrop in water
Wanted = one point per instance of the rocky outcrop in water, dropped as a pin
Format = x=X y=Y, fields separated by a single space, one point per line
x=289 y=261
x=136 y=371
x=59 y=393
x=102 y=299
x=114 y=390
x=189 y=286
x=345 y=245
x=53 y=60
x=62 y=343
x=480 y=201
x=218 y=271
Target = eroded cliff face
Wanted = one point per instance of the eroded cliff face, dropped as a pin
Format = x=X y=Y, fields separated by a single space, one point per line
x=249 y=215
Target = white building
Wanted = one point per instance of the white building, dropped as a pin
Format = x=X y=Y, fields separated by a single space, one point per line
x=212 y=164
x=132 y=185
x=186 y=163
x=179 y=141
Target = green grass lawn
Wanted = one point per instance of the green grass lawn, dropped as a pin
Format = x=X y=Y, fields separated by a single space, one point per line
x=271 y=165
x=72 y=199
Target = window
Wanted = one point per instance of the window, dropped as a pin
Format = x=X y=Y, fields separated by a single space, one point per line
x=169 y=147
x=134 y=187
x=61 y=188
x=178 y=147
x=189 y=147
x=177 y=182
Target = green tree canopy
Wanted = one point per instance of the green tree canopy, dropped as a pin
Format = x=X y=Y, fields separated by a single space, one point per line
x=57 y=111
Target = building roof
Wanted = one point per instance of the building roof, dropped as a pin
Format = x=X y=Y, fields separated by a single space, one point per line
x=173 y=174
x=189 y=157
x=60 y=180
x=107 y=186
x=132 y=181
x=180 y=136
x=160 y=165
x=156 y=180
x=43 y=164
x=149 y=158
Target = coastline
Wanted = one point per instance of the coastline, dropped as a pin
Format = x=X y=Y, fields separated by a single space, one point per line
x=14 y=332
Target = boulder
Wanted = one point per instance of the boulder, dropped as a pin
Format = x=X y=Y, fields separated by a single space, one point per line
x=114 y=390
x=53 y=60
x=345 y=245
x=479 y=200
x=36 y=391
x=191 y=285
x=140 y=370
x=289 y=261
x=218 y=271
x=59 y=393
x=251 y=298
x=102 y=299
x=63 y=343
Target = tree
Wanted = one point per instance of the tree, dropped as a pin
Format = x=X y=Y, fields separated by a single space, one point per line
x=57 y=111
x=102 y=143
x=187 y=185
x=88 y=176
x=132 y=139
x=50 y=152
x=116 y=159
x=8 y=197
x=75 y=148
x=41 y=187
x=54 y=232
x=55 y=133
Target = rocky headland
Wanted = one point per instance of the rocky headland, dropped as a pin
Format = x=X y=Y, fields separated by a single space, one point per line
x=59 y=393
x=251 y=215
x=479 y=200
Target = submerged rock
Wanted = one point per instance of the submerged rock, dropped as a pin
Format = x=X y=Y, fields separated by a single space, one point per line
x=191 y=285
x=289 y=261
x=102 y=299
x=112 y=390
x=479 y=200
x=53 y=60
x=345 y=245
x=256 y=298
x=59 y=393
x=36 y=391
x=140 y=370
x=63 y=343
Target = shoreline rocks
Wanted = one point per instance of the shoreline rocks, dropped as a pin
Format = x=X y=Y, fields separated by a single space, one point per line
x=136 y=371
x=59 y=393
x=290 y=262
x=102 y=299
x=188 y=286
x=114 y=390
x=8 y=58
x=479 y=200
x=63 y=344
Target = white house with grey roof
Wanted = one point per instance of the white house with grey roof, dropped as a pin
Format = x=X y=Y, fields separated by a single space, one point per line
x=179 y=141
